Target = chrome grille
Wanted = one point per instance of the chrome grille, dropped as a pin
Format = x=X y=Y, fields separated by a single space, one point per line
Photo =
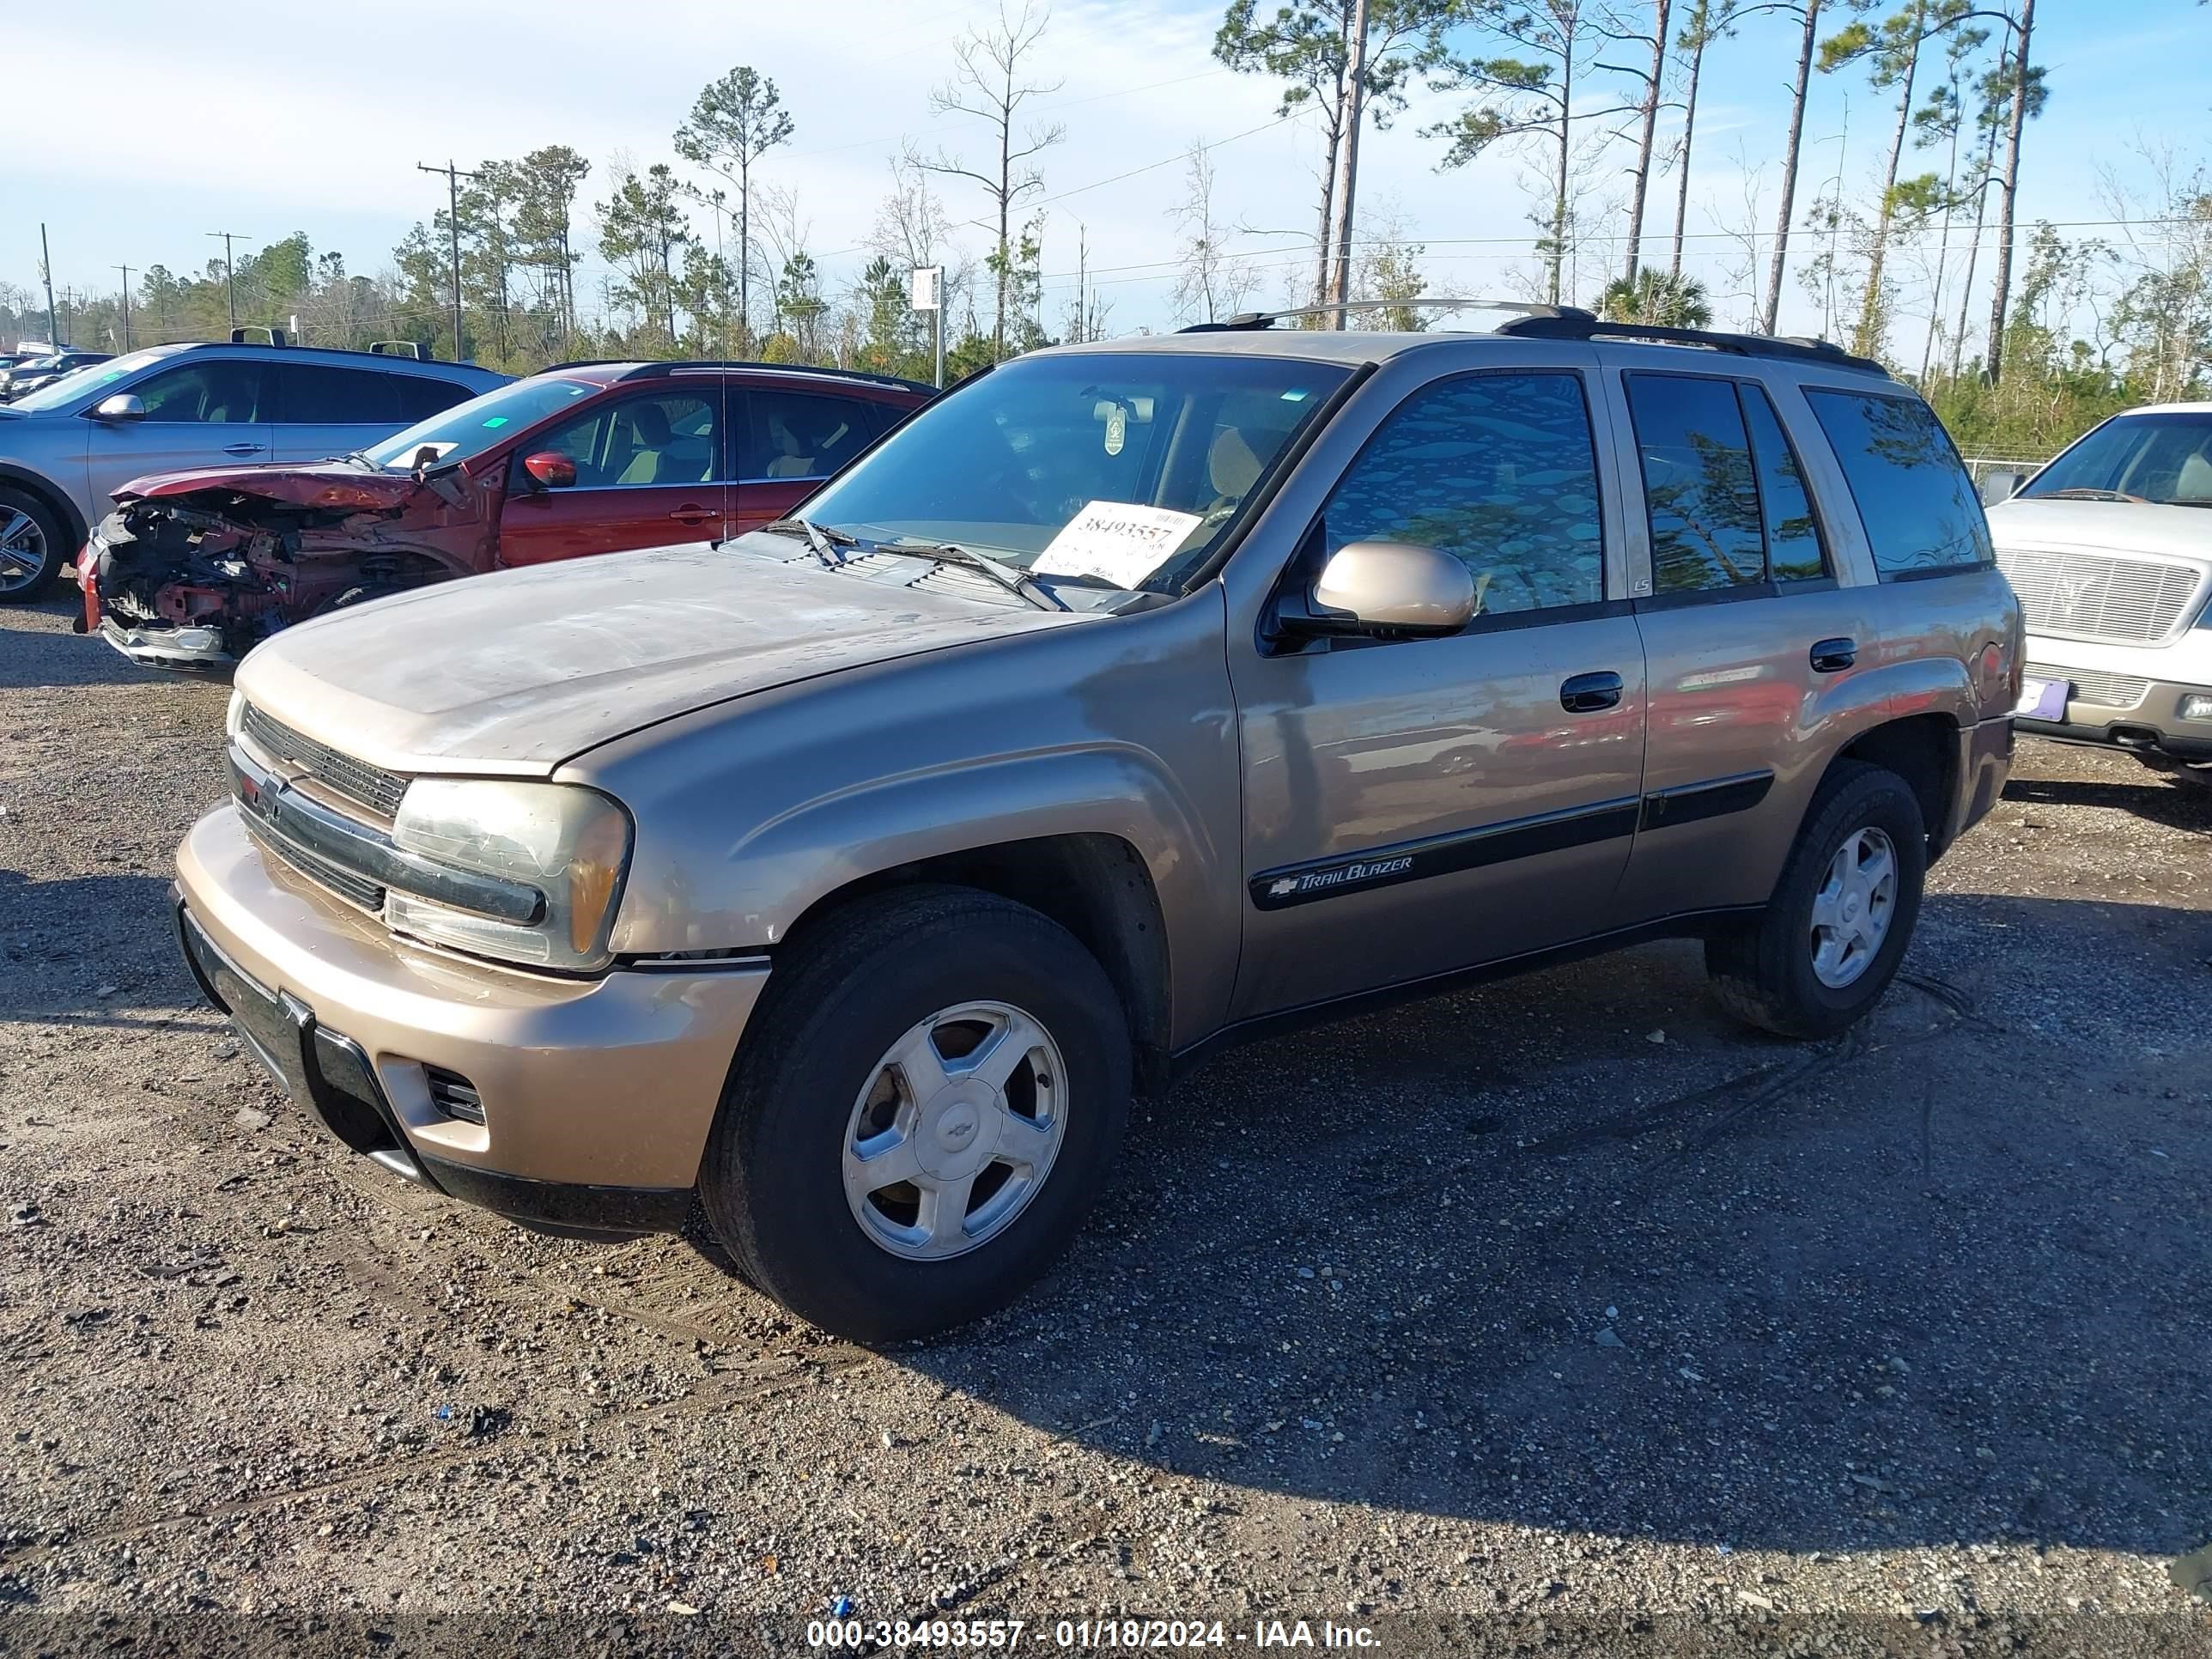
x=348 y=886
x=358 y=781
x=2106 y=691
x=2096 y=596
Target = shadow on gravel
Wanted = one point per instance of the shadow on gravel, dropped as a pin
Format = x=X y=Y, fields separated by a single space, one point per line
x=89 y=950
x=2178 y=806
x=1503 y=1255
x=34 y=660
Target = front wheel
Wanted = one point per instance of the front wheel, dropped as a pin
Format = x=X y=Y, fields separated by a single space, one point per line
x=936 y=1085
x=1829 y=940
x=33 y=547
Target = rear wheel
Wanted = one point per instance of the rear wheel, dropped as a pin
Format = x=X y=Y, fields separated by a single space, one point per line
x=1829 y=940
x=33 y=543
x=936 y=1085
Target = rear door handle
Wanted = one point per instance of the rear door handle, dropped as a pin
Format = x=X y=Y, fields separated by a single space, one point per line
x=1585 y=694
x=243 y=449
x=1833 y=656
x=692 y=515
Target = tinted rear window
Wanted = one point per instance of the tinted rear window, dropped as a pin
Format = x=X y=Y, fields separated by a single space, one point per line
x=316 y=394
x=422 y=396
x=1913 y=495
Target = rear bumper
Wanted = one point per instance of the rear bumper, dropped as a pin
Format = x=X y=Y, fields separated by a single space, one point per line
x=1985 y=764
x=597 y=1095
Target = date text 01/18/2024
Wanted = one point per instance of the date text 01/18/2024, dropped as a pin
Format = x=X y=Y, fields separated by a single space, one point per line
x=1083 y=1634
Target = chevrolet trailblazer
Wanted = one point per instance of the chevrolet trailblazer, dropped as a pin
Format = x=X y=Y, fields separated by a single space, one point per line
x=1131 y=700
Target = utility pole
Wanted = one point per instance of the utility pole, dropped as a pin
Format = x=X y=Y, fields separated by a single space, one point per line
x=454 y=177
x=229 y=274
x=46 y=275
x=125 y=269
x=1353 y=101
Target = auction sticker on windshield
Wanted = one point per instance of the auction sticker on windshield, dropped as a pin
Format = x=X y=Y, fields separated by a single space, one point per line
x=1119 y=542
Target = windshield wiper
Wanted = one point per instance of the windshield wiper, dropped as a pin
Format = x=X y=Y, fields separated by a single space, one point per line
x=822 y=538
x=1008 y=576
x=2083 y=493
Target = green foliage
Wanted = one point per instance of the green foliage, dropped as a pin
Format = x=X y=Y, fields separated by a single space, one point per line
x=640 y=228
x=1658 y=298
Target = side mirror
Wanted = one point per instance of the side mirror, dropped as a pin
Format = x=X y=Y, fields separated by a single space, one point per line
x=123 y=406
x=1399 y=589
x=2001 y=485
x=549 y=469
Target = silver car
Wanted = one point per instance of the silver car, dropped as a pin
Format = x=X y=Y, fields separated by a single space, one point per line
x=65 y=447
x=2110 y=549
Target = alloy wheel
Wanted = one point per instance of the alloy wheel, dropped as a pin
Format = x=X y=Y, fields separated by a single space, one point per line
x=1853 y=907
x=22 y=550
x=955 y=1131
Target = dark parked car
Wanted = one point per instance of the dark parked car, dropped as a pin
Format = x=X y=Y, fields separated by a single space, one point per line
x=29 y=373
x=194 y=568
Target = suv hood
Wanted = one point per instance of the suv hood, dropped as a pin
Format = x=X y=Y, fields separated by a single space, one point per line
x=2162 y=531
x=515 y=672
x=336 y=484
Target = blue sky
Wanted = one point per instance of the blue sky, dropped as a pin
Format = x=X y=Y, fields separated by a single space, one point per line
x=266 y=117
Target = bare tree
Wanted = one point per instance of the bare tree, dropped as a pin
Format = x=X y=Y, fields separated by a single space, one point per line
x=989 y=82
x=1943 y=120
x=1651 y=79
x=1709 y=19
x=1211 y=284
x=1770 y=307
x=2026 y=101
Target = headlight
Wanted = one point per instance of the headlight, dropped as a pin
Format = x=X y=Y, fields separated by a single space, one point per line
x=234 y=716
x=570 y=844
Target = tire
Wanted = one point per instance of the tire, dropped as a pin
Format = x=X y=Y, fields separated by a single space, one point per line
x=1765 y=972
x=808 y=1086
x=41 y=535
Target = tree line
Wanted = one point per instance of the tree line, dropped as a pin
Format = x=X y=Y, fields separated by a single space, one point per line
x=2021 y=335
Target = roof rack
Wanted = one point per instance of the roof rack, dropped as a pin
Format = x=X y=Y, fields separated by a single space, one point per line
x=1248 y=321
x=1570 y=324
x=396 y=349
x=242 y=336
x=648 y=371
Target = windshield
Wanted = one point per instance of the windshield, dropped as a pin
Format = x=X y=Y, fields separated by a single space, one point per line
x=2166 y=459
x=57 y=394
x=1120 y=468
x=468 y=429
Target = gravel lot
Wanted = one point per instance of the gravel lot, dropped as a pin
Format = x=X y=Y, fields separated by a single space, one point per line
x=1561 y=1312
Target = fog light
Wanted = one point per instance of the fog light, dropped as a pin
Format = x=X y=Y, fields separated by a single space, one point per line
x=195 y=639
x=2197 y=706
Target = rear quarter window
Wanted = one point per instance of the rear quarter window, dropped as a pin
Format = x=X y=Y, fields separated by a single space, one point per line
x=1914 y=499
x=422 y=396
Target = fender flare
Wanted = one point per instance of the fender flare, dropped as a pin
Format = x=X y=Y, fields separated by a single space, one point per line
x=45 y=489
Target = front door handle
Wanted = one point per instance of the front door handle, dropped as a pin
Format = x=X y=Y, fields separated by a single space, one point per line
x=692 y=515
x=243 y=449
x=1833 y=656
x=1585 y=694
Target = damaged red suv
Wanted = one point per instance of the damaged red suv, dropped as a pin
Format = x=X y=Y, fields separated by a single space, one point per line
x=193 y=569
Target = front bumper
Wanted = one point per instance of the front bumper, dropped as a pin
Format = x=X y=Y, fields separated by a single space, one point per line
x=194 y=649
x=2127 y=697
x=597 y=1095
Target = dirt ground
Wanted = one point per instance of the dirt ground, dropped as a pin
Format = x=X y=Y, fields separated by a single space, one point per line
x=1558 y=1315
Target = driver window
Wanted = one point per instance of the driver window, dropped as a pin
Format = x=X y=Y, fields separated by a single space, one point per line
x=204 y=393
x=640 y=442
x=1498 y=471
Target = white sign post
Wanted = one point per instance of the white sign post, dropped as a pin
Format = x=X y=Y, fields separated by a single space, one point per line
x=926 y=290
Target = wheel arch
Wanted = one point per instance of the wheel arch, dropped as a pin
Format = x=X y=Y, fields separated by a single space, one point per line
x=14 y=477
x=1097 y=885
x=1923 y=750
